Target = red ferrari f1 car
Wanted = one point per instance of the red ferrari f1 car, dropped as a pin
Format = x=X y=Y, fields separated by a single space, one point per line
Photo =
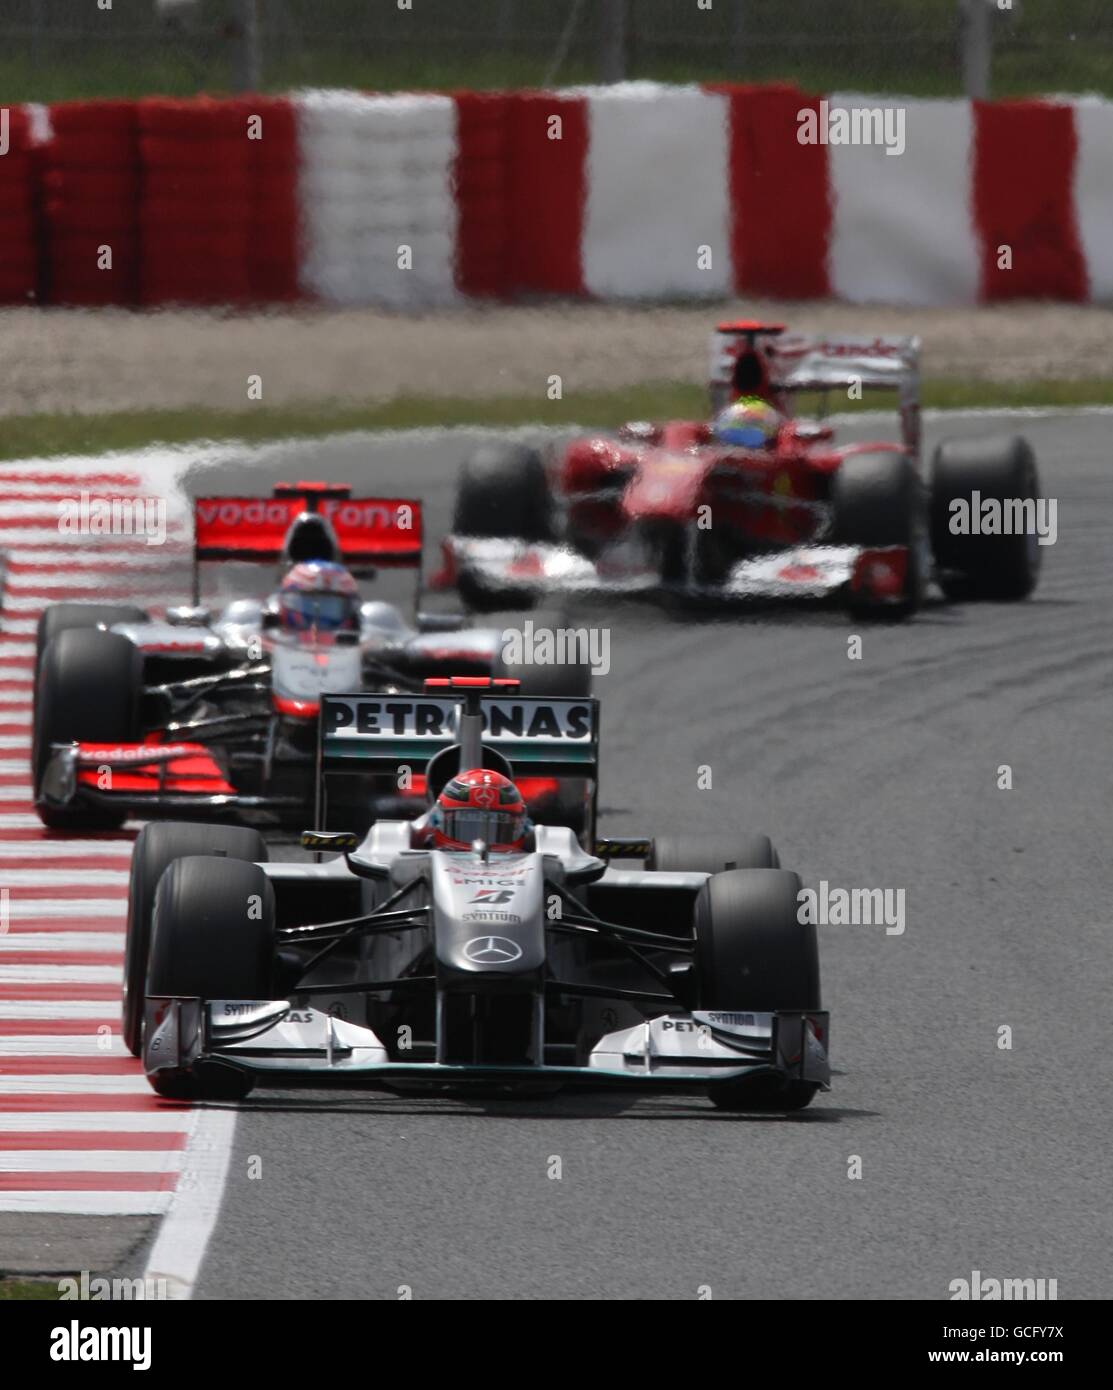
x=676 y=506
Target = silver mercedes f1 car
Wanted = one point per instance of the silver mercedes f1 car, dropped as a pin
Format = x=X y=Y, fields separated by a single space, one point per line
x=390 y=964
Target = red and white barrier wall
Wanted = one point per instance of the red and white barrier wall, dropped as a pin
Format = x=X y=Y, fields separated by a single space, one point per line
x=638 y=191
x=18 y=253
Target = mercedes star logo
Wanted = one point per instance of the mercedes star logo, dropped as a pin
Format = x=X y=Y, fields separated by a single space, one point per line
x=485 y=796
x=492 y=950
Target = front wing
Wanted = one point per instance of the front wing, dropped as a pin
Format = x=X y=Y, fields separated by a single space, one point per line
x=148 y=779
x=278 y=1039
x=513 y=568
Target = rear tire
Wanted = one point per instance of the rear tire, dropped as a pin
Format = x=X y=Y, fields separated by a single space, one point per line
x=87 y=691
x=711 y=854
x=503 y=492
x=206 y=943
x=878 y=501
x=156 y=848
x=993 y=567
x=753 y=952
x=569 y=679
x=478 y=599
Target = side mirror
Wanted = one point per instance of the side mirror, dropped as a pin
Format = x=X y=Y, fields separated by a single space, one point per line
x=441 y=622
x=189 y=616
x=335 y=841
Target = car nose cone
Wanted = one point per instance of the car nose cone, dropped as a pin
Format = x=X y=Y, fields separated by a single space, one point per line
x=492 y=950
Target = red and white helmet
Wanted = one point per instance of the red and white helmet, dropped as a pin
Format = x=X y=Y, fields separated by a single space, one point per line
x=318 y=598
x=480 y=805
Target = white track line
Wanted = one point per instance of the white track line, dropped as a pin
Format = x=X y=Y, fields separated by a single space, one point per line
x=90 y=1160
x=48 y=513
x=62 y=941
x=52 y=510
x=193 y=1212
x=78 y=578
x=18 y=1010
x=65 y=1045
x=17 y=541
x=60 y=974
x=23 y=910
x=87 y=1203
x=45 y=1083
x=15 y=878
x=65 y=849
x=98 y=1121
x=38 y=603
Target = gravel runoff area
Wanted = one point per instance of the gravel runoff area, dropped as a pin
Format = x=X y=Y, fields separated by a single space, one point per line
x=112 y=360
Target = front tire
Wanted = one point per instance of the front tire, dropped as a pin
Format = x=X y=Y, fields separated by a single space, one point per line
x=878 y=502
x=753 y=952
x=61 y=617
x=87 y=691
x=209 y=942
x=156 y=848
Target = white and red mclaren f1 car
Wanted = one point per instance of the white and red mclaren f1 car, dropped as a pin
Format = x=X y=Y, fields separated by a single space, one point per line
x=671 y=506
x=206 y=715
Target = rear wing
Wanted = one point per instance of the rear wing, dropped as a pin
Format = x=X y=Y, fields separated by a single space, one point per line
x=367 y=533
x=372 y=733
x=855 y=365
x=813 y=364
x=800 y=363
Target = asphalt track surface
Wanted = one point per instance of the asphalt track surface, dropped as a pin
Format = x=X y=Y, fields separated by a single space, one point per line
x=874 y=773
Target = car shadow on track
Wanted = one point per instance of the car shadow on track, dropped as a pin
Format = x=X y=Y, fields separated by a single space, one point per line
x=675 y=609
x=564 y=1106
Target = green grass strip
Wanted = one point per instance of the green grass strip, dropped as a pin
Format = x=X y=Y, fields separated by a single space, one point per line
x=27 y=436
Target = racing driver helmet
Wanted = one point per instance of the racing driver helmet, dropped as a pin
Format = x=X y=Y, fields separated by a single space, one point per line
x=318 y=598
x=480 y=805
x=750 y=423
